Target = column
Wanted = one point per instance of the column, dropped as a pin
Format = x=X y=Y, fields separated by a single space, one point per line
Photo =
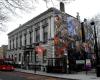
x=49 y=28
x=52 y=27
x=18 y=41
x=15 y=41
x=28 y=38
x=11 y=44
x=23 y=39
x=33 y=35
x=41 y=32
x=8 y=43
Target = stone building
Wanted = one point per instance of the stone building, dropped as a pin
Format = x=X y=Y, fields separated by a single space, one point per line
x=22 y=42
x=3 y=51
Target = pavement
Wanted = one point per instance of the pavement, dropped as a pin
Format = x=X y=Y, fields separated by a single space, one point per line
x=74 y=76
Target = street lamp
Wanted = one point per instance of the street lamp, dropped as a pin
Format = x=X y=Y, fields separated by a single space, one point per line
x=96 y=51
x=27 y=61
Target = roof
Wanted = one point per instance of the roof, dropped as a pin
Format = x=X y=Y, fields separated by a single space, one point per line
x=52 y=9
x=45 y=12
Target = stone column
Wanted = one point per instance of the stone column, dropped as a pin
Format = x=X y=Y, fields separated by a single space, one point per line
x=52 y=27
x=11 y=43
x=28 y=38
x=23 y=38
x=15 y=41
x=33 y=35
x=8 y=43
x=18 y=41
x=49 y=28
x=41 y=32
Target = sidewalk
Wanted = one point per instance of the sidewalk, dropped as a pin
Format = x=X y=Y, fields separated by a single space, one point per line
x=77 y=76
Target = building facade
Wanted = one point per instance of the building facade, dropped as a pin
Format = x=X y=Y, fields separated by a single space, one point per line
x=23 y=40
x=3 y=51
x=49 y=35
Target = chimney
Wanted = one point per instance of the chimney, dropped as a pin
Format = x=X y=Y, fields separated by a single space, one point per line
x=62 y=7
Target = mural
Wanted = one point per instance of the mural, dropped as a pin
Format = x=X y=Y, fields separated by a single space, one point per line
x=66 y=33
x=74 y=28
x=60 y=38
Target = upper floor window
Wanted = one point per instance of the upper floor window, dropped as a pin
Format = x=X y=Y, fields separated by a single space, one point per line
x=37 y=35
x=10 y=44
x=13 y=43
x=37 y=32
x=20 y=40
x=45 y=34
x=16 y=42
x=30 y=37
x=25 y=39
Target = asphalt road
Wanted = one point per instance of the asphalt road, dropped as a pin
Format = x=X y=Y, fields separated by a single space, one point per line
x=24 y=76
x=9 y=76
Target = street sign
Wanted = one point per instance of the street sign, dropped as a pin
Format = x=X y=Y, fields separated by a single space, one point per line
x=80 y=61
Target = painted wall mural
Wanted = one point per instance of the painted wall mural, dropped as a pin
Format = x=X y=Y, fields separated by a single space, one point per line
x=66 y=33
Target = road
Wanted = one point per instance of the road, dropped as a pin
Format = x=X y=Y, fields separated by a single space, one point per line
x=24 y=76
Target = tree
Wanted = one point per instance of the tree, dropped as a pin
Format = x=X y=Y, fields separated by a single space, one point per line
x=10 y=6
x=96 y=20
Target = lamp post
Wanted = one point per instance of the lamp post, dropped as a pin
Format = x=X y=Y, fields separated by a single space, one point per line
x=96 y=50
x=35 y=62
x=27 y=61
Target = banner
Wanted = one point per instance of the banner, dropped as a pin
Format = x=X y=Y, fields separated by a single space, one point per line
x=71 y=26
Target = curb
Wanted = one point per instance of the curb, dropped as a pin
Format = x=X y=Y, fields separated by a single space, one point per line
x=32 y=72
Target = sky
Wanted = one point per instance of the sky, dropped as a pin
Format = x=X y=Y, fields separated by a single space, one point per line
x=86 y=8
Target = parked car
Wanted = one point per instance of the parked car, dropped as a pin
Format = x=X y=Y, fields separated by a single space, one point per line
x=6 y=66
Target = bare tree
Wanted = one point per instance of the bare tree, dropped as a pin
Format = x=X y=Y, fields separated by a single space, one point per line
x=10 y=6
x=96 y=19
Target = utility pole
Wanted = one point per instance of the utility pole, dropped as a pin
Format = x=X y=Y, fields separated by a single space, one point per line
x=96 y=51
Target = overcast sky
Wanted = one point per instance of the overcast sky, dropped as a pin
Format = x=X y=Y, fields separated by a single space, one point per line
x=86 y=9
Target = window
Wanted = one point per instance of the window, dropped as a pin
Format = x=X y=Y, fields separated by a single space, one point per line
x=9 y=56
x=25 y=39
x=16 y=42
x=19 y=56
x=37 y=35
x=13 y=43
x=45 y=34
x=37 y=32
x=20 y=40
x=30 y=37
x=12 y=56
x=10 y=44
x=44 y=57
